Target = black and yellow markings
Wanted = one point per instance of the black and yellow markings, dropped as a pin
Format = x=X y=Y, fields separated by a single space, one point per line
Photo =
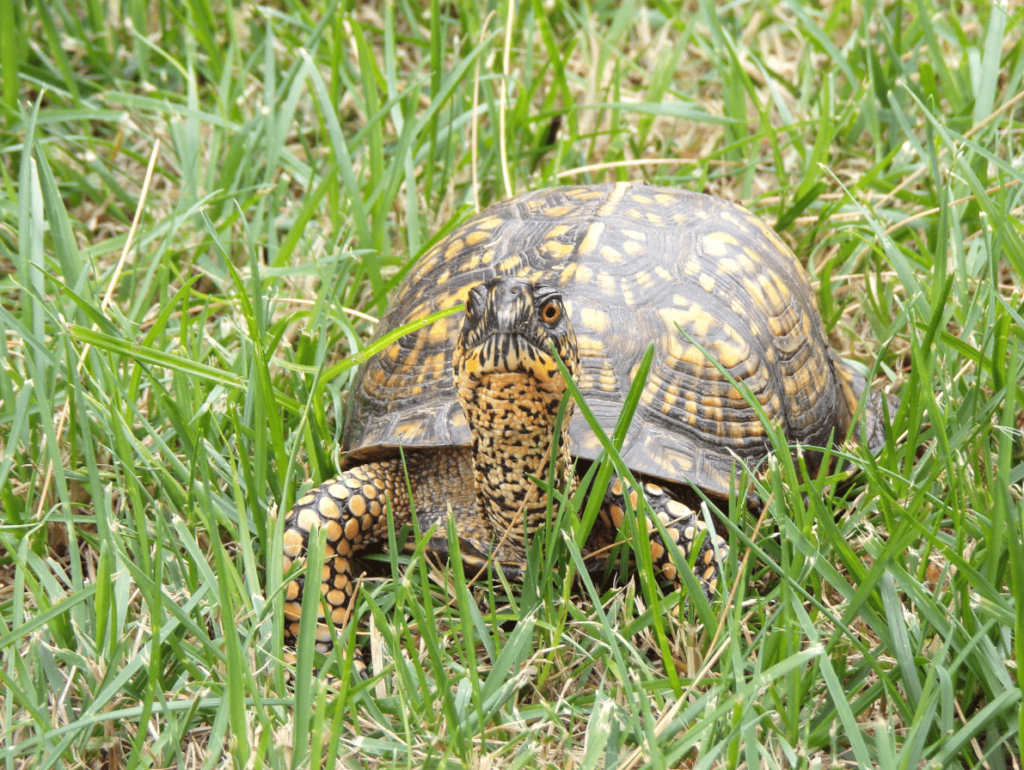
x=510 y=265
x=694 y=320
x=584 y=273
x=558 y=250
x=453 y=248
x=557 y=212
x=611 y=256
x=629 y=298
x=631 y=248
x=349 y=509
x=488 y=223
x=606 y=380
x=729 y=266
x=753 y=256
x=644 y=279
x=719 y=244
x=633 y=263
x=611 y=203
x=599 y=192
x=592 y=239
x=681 y=524
x=594 y=320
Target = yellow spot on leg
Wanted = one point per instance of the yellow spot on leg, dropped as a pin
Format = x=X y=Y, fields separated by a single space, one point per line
x=293 y=543
x=308 y=519
x=357 y=505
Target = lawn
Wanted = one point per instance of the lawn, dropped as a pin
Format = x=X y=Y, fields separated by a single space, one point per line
x=203 y=207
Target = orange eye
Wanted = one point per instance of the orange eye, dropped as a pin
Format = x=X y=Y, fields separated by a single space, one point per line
x=551 y=313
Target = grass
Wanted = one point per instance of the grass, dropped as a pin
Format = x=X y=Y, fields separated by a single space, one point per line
x=202 y=209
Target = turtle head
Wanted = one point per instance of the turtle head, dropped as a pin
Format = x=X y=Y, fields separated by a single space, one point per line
x=510 y=329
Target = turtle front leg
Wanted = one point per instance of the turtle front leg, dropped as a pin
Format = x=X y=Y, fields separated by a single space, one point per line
x=353 y=509
x=682 y=524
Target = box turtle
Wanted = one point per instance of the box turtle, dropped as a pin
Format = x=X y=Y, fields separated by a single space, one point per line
x=595 y=273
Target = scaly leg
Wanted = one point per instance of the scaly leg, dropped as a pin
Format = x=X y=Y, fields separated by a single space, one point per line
x=353 y=508
x=682 y=525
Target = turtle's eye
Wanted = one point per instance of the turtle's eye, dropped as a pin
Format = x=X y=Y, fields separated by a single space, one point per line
x=551 y=312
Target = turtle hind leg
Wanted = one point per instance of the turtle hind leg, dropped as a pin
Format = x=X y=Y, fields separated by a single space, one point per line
x=875 y=418
x=853 y=384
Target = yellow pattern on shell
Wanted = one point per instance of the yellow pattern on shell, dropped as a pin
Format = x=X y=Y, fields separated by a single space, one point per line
x=632 y=261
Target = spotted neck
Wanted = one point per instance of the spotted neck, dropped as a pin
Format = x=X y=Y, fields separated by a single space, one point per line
x=513 y=426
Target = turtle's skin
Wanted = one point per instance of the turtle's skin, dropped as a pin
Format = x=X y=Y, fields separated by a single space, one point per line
x=623 y=265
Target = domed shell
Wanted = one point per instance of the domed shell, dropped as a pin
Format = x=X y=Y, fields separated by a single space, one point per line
x=635 y=264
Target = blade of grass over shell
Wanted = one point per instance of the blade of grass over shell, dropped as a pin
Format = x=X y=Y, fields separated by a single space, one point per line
x=388 y=339
x=617 y=438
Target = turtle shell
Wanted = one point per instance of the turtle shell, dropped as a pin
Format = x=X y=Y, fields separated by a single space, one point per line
x=635 y=264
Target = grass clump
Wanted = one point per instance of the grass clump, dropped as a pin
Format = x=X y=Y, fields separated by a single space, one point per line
x=202 y=209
